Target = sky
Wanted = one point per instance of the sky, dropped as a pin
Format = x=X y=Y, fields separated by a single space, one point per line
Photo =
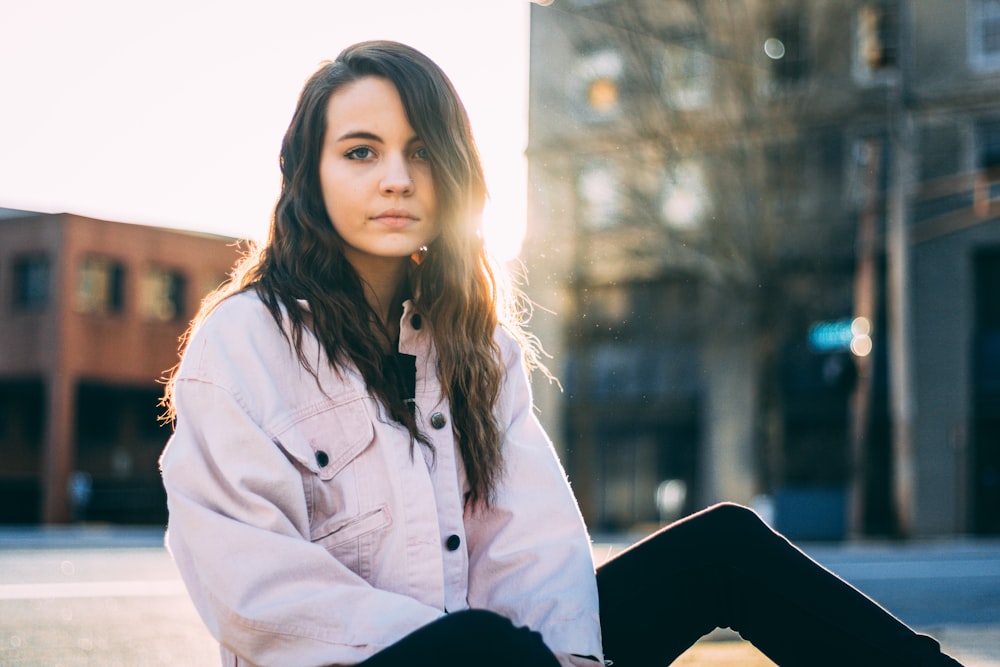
x=172 y=114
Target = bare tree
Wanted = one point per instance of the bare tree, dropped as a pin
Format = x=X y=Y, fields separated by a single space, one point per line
x=723 y=124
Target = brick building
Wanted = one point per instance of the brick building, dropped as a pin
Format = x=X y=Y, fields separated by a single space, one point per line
x=92 y=313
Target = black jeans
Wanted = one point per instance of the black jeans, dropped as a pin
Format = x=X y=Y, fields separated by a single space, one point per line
x=722 y=567
x=471 y=638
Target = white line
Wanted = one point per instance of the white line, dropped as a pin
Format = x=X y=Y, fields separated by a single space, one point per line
x=91 y=589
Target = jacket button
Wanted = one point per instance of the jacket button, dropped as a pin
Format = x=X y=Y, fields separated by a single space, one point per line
x=322 y=458
x=453 y=542
x=438 y=420
x=416 y=322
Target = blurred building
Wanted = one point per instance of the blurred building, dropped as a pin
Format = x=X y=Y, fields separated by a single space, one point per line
x=92 y=313
x=768 y=234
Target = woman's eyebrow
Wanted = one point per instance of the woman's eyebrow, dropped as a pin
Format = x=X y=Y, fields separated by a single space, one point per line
x=360 y=134
x=371 y=136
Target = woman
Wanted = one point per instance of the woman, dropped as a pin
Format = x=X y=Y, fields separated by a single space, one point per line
x=356 y=473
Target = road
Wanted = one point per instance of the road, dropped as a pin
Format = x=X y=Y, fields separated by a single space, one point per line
x=928 y=584
x=81 y=597
x=109 y=598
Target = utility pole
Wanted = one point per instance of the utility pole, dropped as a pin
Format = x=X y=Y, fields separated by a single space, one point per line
x=865 y=308
x=900 y=336
x=898 y=255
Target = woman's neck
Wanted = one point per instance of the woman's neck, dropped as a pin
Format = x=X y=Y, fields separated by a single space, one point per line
x=385 y=288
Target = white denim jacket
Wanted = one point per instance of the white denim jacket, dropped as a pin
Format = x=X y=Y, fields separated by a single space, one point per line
x=308 y=533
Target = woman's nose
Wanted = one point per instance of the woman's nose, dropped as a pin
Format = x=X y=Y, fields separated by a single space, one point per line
x=397 y=179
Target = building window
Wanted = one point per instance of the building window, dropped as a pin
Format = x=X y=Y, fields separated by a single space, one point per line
x=787 y=50
x=599 y=187
x=684 y=196
x=984 y=34
x=877 y=39
x=941 y=153
x=161 y=294
x=32 y=282
x=596 y=84
x=687 y=76
x=100 y=286
x=988 y=143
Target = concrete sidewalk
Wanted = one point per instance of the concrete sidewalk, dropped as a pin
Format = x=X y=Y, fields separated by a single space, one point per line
x=106 y=597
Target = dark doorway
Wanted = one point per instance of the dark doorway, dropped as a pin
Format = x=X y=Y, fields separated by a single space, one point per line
x=985 y=474
x=22 y=421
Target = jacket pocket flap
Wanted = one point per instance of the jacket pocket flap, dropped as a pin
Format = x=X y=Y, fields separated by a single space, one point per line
x=338 y=530
x=329 y=437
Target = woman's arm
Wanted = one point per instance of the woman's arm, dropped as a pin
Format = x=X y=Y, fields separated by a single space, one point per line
x=239 y=533
x=529 y=554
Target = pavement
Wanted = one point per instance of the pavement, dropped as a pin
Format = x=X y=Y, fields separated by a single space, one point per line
x=83 y=596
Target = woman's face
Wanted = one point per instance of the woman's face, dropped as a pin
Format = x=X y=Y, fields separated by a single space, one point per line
x=375 y=176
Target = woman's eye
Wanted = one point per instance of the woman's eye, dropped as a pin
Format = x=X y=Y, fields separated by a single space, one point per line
x=421 y=154
x=359 y=153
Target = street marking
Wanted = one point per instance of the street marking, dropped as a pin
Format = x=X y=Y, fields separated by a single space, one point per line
x=91 y=589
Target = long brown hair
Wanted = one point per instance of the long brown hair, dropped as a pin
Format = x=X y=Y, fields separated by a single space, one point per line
x=459 y=293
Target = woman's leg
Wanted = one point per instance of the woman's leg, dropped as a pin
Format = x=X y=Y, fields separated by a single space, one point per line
x=464 y=638
x=724 y=567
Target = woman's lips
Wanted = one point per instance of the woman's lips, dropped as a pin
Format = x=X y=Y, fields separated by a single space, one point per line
x=396 y=218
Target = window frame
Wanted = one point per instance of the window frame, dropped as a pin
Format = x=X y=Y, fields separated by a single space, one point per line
x=787 y=74
x=979 y=12
x=175 y=293
x=599 y=64
x=112 y=300
x=885 y=10
x=687 y=76
x=23 y=299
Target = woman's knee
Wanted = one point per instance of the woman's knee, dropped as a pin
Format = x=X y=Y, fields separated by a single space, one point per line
x=732 y=518
x=734 y=512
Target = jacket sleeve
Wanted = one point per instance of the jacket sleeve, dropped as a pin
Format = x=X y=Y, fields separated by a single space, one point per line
x=529 y=554
x=239 y=533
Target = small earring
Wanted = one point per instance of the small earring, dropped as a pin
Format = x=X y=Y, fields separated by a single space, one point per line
x=419 y=255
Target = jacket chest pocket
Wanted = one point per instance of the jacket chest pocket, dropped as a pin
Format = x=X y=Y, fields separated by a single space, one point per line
x=353 y=541
x=348 y=514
